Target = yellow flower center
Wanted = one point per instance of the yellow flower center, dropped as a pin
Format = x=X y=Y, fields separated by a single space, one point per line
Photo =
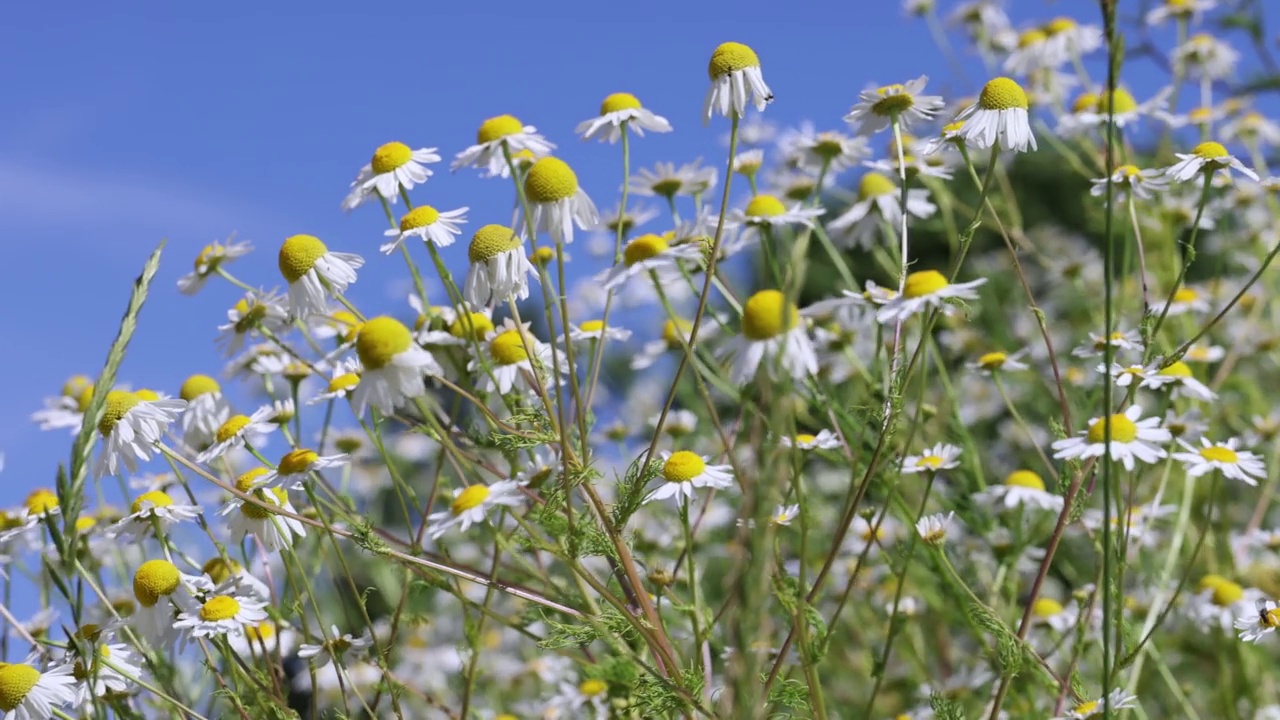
x=41 y=501
x=1176 y=369
x=550 y=179
x=1002 y=93
x=1186 y=295
x=673 y=330
x=952 y=127
x=15 y=682
x=1209 y=151
x=508 y=348
x=1026 y=479
x=257 y=513
x=930 y=461
x=993 y=360
x=389 y=157
x=153 y=580
x=1060 y=24
x=894 y=99
x=805 y=438
x=1084 y=709
x=874 y=184
x=1086 y=102
x=119 y=402
x=147 y=395
x=1046 y=607
x=157 y=498
x=470 y=498
x=1122 y=430
x=344 y=382
x=765 y=206
x=419 y=217
x=298 y=254
x=1271 y=618
x=924 y=282
x=1218 y=453
x=85 y=523
x=619 y=101
x=82 y=401
x=1200 y=115
x=264 y=631
x=731 y=57
x=251 y=313
x=380 y=340
x=1031 y=37
x=767 y=314
x=496 y=128
x=643 y=248
x=221 y=607
x=592 y=326
x=297 y=461
x=471 y=324
x=1226 y=592
x=592 y=688
x=683 y=466
x=249 y=480
x=543 y=255
x=490 y=241
x=75 y=385
x=231 y=428
x=220 y=569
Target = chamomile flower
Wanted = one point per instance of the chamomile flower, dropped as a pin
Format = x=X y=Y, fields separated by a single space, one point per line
x=926 y=289
x=274 y=529
x=589 y=330
x=511 y=350
x=879 y=204
x=114 y=667
x=1069 y=39
x=257 y=312
x=645 y=254
x=556 y=201
x=313 y=272
x=239 y=430
x=1254 y=126
x=500 y=270
x=879 y=108
x=1205 y=56
x=773 y=334
x=264 y=640
x=1021 y=488
x=342 y=382
x=343 y=646
x=767 y=211
x=784 y=515
x=66 y=410
x=393 y=366
x=297 y=465
x=939 y=457
x=1032 y=54
x=207 y=409
x=221 y=615
x=1117 y=700
x=1202 y=353
x=933 y=529
x=1129 y=179
x=1206 y=157
x=999 y=117
x=1126 y=375
x=1127 y=340
x=1187 y=299
x=806 y=148
x=26 y=693
x=207 y=263
x=1179 y=377
x=1261 y=622
x=160 y=590
x=499 y=134
x=749 y=162
x=394 y=166
x=1183 y=10
x=428 y=224
x=949 y=137
x=735 y=79
x=666 y=180
x=1226 y=457
x=130 y=428
x=472 y=504
x=1219 y=601
x=682 y=471
x=619 y=110
x=998 y=361
x=150 y=513
x=1131 y=437
x=823 y=440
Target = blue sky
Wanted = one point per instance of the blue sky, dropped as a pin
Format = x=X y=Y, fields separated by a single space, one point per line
x=128 y=124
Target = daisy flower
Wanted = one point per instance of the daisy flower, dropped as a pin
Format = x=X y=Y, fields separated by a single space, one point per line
x=1252 y=125
x=1130 y=340
x=428 y=224
x=998 y=361
x=1125 y=375
x=878 y=109
x=1226 y=457
x=587 y=699
x=67 y=409
x=556 y=201
x=207 y=409
x=221 y=615
x=500 y=270
x=496 y=135
x=239 y=430
x=933 y=529
x=1047 y=612
x=98 y=679
x=617 y=111
x=938 y=457
x=1263 y=621
x=1117 y=700
x=735 y=79
x=807 y=148
x=207 y=263
x=1123 y=107
x=297 y=465
x=589 y=330
x=648 y=253
x=1178 y=376
x=344 y=379
x=264 y=640
x=257 y=312
x=1129 y=179
x=749 y=162
x=682 y=471
x=1219 y=601
x=1021 y=488
x=926 y=289
x=1205 y=56
x=1033 y=53
x=1069 y=39
x=879 y=204
x=772 y=333
x=394 y=166
x=665 y=180
x=950 y=136
x=160 y=589
x=999 y=117
x=1206 y=158
x=824 y=440
x=343 y=646
x=130 y=428
x=152 y=512
x=1202 y=353
x=767 y=211
x=312 y=272
x=1131 y=437
x=1187 y=299
x=784 y=515
x=275 y=530
x=26 y=693
x=507 y=350
x=1184 y=10
x=472 y=504
x=393 y=366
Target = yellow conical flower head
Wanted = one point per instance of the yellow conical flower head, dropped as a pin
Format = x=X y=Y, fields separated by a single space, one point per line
x=490 y=241
x=1209 y=151
x=924 y=282
x=1086 y=102
x=619 y=101
x=389 y=157
x=1121 y=99
x=298 y=255
x=41 y=501
x=1123 y=430
x=1026 y=479
x=157 y=498
x=84 y=398
x=220 y=569
x=1002 y=93
x=16 y=682
x=767 y=314
x=118 y=403
x=220 y=607
x=874 y=184
x=231 y=428
x=550 y=179
x=731 y=57
x=471 y=324
x=498 y=127
x=472 y=497
x=683 y=466
x=764 y=206
x=380 y=340
x=155 y=579
x=508 y=348
x=419 y=217
x=198 y=385
x=643 y=248
x=75 y=385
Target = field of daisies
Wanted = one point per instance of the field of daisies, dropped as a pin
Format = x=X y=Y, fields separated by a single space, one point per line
x=837 y=424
